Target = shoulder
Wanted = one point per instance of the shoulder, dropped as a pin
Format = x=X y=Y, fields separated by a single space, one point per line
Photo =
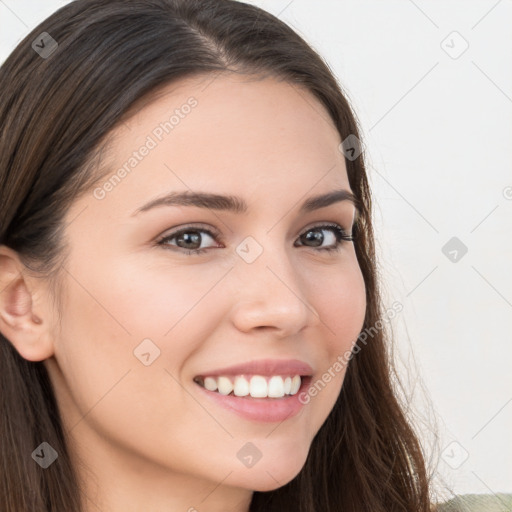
x=478 y=503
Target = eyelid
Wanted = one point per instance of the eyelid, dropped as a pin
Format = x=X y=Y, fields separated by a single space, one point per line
x=218 y=234
x=327 y=224
x=190 y=227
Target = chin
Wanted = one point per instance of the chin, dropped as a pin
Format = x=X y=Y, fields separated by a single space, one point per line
x=272 y=474
x=264 y=482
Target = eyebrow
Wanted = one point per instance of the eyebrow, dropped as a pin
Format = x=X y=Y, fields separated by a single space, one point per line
x=238 y=205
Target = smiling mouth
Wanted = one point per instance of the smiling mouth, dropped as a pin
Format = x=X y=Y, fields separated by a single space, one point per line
x=254 y=386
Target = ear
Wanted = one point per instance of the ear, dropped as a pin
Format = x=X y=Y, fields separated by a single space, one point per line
x=24 y=312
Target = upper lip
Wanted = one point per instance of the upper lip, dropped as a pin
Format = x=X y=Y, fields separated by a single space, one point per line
x=264 y=367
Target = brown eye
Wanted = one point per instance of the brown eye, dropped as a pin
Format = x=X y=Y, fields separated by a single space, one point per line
x=314 y=235
x=188 y=239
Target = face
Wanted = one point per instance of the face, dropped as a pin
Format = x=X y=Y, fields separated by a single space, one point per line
x=146 y=318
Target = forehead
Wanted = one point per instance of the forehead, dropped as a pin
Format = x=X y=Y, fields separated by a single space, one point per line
x=226 y=132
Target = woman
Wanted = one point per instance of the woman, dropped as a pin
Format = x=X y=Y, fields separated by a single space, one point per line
x=188 y=273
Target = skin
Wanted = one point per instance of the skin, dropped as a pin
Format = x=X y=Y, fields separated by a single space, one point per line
x=145 y=435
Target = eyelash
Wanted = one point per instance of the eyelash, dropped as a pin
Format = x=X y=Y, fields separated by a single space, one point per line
x=339 y=232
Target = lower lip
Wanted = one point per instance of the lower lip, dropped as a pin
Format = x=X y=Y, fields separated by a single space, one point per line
x=268 y=410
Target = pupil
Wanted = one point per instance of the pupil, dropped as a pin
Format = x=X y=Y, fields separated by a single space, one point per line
x=316 y=237
x=194 y=239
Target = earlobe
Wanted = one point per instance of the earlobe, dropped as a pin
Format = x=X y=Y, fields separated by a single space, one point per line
x=19 y=323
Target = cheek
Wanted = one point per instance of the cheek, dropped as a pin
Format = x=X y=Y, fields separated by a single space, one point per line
x=125 y=315
x=160 y=297
x=111 y=311
x=106 y=387
x=339 y=298
x=341 y=304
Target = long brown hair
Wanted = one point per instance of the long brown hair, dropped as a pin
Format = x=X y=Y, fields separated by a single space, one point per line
x=56 y=110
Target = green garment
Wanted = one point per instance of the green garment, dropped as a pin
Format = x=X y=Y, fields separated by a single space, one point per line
x=478 y=503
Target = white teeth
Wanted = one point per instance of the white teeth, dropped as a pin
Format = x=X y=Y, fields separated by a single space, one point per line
x=210 y=384
x=276 y=387
x=287 y=385
x=225 y=385
x=295 y=385
x=258 y=386
x=241 y=387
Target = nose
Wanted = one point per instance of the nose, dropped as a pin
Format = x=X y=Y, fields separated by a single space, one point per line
x=270 y=295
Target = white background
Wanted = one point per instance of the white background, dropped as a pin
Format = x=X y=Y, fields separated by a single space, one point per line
x=437 y=132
